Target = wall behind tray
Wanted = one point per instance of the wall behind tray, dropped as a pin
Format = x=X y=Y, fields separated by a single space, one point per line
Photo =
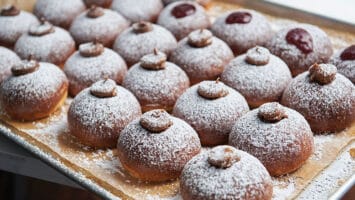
x=22 y=4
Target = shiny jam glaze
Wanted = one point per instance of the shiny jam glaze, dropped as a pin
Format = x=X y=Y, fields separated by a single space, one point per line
x=301 y=39
x=239 y=18
x=348 y=53
x=183 y=10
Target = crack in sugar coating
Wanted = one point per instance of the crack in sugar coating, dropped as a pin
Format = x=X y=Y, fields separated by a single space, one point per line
x=181 y=27
x=210 y=118
x=132 y=46
x=12 y=27
x=54 y=47
x=104 y=29
x=281 y=146
x=158 y=154
x=326 y=107
x=84 y=71
x=135 y=10
x=296 y=60
x=245 y=179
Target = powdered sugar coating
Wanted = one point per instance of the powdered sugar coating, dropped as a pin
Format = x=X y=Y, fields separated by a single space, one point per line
x=135 y=10
x=12 y=27
x=327 y=108
x=181 y=27
x=296 y=60
x=205 y=63
x=345 y=67
x=156 y=88
x=102 y=119
x=245 y=179
x=281 y=146
x=7 y=59
x=258 y=84
x=132 y=46
x=241 y=37
x=84 y=71
x=157 y=156
x=104 y=29
x=212 y=119
x=33 y=92
x=59 y=13
x=54 y=47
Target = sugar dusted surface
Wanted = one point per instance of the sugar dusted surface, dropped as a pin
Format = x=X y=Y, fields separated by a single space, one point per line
x=54 y=47
x=84 y=71
x=156 y=87
x=247 y=178
x=181 y=27
x=14 y=26
x=202 y=63
x=345 y=67
x=135 y=10
x=51 y=133
x=104 y=28
x=257 y=83
x=60 y=13
x=7 y=59
x=132 y=46
x=241 y=37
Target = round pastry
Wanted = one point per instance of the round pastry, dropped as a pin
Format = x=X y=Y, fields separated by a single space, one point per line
x=92 y=63
x=344 y=60
x=155 y=82
x=98 y=114
x=140 y=39
x=204 y=3
x=183 y=17
x=225 y=173
x=46 y=43
x=98 y=24
x=157 y=146
x=14 y=23
x=202 y=56
x=258 y=75
x=101 y=3
x=136 y=11
x=278 y=136
x=59 y=13
x=300 y=46
x=211 y=108
x=242 y=29
x=324 y=97
x=33 y=91
x=7 y=60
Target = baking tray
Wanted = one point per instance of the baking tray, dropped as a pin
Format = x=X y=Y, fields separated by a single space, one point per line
x=327 y=174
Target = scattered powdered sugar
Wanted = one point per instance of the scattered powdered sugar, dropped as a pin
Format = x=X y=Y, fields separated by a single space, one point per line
x=277 y=145
x=283 y=187
x=60 y=13
x=204 y=63
x=159 y=87
x=84 y=71
x=132 y=46
x=212 y=117
x=241 y=37
x=166 y=152
x=54 y=47
x=319 y=142
x=321 y=104
x=181 y=27
x=104 y=28
x=12 y=27
x=257 y=83
x=246 y=178
x=296 y=60
x=135 y=10
x=345 y=67
x=33 y=88
x=7 y=59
